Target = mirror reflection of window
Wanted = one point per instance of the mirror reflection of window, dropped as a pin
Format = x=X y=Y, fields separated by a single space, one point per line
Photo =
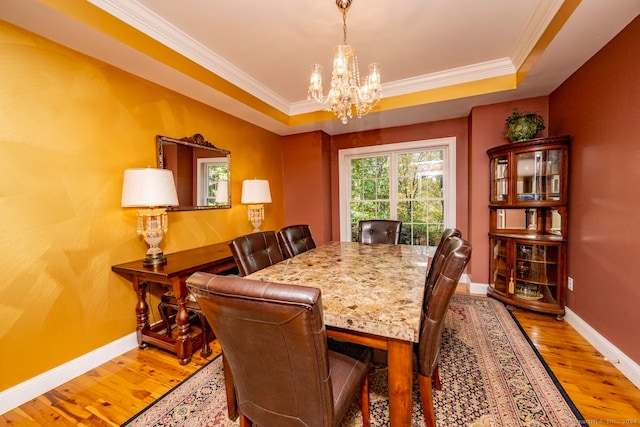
x=211 y=173
x=200 y=171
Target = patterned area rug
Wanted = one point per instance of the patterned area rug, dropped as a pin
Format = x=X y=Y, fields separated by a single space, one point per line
x=491 y=376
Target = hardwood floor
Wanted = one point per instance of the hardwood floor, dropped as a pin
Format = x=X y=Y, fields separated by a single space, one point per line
x=115 y=391
x=599 y=390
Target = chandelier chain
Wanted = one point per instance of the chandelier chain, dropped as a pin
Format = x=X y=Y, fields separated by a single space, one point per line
x=344 y=26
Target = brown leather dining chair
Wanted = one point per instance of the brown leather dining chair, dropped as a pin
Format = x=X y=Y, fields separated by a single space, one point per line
x=295 y=239
x=433 y=322
x=445 y=246
x=379 y=231
x=251 y=252
x=255 y=251
x=274 y=340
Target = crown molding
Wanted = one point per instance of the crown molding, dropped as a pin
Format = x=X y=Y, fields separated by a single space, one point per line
x=156 y=27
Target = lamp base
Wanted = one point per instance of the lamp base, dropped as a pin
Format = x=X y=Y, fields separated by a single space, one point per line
x=156 y=259
x=155 y=256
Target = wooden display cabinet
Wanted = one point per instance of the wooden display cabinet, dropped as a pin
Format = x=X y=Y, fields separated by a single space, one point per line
x=528 y=224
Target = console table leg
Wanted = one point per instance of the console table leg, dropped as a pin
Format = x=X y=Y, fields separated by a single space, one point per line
x=142 y=310
x=184 y=345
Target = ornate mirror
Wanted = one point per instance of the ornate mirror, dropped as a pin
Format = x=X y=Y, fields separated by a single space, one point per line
x=202 y=172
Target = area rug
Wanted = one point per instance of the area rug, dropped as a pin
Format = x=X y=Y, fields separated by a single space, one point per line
x=491 y=376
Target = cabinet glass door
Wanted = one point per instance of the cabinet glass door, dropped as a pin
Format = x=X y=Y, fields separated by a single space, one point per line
x=500 y=179
x=538 y=175
x=536 y=272
x=499 y=265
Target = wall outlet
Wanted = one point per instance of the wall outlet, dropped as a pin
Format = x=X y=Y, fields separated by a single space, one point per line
x=570 y=283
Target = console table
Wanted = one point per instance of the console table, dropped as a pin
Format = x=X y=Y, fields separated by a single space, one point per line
x=215 y=259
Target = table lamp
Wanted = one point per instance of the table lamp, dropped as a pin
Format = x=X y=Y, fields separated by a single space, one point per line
x=154 y=190
x=255 y=192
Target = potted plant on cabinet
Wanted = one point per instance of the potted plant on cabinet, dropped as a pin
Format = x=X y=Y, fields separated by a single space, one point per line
x=523 y=126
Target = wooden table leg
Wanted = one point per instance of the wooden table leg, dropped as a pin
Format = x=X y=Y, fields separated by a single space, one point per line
x=142 y=310
x=184 y=345
x=400 y=360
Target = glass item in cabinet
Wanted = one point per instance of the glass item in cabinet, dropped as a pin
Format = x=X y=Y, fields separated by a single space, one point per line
x=538 y=175
x=528 y=168
x=499 y=265
x=500 y=179
x=528 y=291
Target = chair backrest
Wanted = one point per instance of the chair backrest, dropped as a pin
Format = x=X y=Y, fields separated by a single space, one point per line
x=255 y=251
x=379 y=231
x=295 y=239
x=274 y=340
x=438 y=304
x=445 y=246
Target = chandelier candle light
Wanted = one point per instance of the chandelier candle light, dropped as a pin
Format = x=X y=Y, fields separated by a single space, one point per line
x=152 y=189
x=255 y=192
x=346 y=93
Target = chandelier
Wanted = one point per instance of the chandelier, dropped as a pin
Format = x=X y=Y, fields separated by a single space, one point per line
x=346 y=94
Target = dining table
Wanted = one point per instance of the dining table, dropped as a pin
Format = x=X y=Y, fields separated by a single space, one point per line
x=371 y=295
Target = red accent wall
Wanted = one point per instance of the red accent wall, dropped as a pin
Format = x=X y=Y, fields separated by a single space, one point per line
x=486 y=126
x=599 y=105
x=306 y=178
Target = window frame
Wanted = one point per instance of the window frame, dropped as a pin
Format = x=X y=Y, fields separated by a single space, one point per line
x=447 y=144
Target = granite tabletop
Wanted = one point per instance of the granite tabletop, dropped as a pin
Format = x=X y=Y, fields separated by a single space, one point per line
x=371 y=288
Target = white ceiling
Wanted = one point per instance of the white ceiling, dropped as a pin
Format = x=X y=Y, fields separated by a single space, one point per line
x=251 y=58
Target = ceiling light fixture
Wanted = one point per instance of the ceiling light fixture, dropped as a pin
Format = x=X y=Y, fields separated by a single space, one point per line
x=346 y=94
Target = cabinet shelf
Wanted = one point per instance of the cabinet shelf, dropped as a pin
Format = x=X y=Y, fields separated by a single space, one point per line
x=528 y=224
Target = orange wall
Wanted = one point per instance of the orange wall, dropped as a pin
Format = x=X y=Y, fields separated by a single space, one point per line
x=599 y=105
x=69 y=127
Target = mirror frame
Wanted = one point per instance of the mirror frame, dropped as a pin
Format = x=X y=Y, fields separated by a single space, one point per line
x=197 y=141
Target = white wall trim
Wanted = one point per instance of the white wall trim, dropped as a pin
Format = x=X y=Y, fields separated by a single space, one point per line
x=478 y=288
x=611 y=353
x=36 y=386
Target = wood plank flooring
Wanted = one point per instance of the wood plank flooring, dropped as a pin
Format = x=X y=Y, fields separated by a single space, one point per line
x=113 y=392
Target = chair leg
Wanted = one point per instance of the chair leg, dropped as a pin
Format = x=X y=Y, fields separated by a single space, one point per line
x=426 y=397
x=206 y=349
x=163 y=310
x=436 y=378
x=364 y=400
x=232 y=403
x=245 y=422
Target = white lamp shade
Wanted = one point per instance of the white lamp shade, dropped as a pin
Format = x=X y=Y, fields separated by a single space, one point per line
x=148 y=187
x=222 y=193
x=255 y=191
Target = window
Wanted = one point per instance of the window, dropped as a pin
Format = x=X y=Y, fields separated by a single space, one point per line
x=413 y=182
x=211 y=171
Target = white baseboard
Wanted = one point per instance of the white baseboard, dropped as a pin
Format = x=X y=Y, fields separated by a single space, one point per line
x=477 y=288
x=612 y=354
x=34 y=387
